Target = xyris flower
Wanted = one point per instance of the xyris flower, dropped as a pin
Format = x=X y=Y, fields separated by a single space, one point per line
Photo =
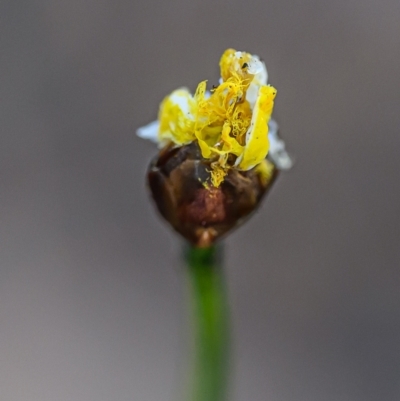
x=220 y=150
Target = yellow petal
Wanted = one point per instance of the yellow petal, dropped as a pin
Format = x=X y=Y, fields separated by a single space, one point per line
x=176 y=118
x=257 y=143
x=205 y=148
x=265 y=169
x=231 y=145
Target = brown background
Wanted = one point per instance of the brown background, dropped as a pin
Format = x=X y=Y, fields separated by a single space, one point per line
x=91 y=289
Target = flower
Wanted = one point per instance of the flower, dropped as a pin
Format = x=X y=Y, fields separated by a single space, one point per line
x=231 y=123
x=220 y=150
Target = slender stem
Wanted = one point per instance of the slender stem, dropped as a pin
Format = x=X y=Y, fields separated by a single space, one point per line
x=210 y=319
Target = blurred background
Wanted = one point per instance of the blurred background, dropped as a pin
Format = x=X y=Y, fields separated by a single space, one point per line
x=92 y=290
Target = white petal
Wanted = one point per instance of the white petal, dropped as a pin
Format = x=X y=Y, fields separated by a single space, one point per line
x=149 y=131
x=257 y=67
x=252 y=93
x=277 y=151
x=262 y=73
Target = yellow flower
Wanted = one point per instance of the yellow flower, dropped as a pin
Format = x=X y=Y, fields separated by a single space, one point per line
x=229 y=122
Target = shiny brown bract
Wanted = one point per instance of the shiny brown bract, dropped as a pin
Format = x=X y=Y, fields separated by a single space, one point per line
x=201 y=213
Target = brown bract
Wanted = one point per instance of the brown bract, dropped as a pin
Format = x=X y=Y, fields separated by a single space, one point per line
x=180 y=184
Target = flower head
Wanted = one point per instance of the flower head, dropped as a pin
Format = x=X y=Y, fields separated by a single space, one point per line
x=227 y=133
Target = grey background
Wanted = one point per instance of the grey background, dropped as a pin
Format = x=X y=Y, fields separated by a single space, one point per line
x=92 y=302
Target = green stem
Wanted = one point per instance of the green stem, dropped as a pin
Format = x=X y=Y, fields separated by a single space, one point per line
x=210 y=318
